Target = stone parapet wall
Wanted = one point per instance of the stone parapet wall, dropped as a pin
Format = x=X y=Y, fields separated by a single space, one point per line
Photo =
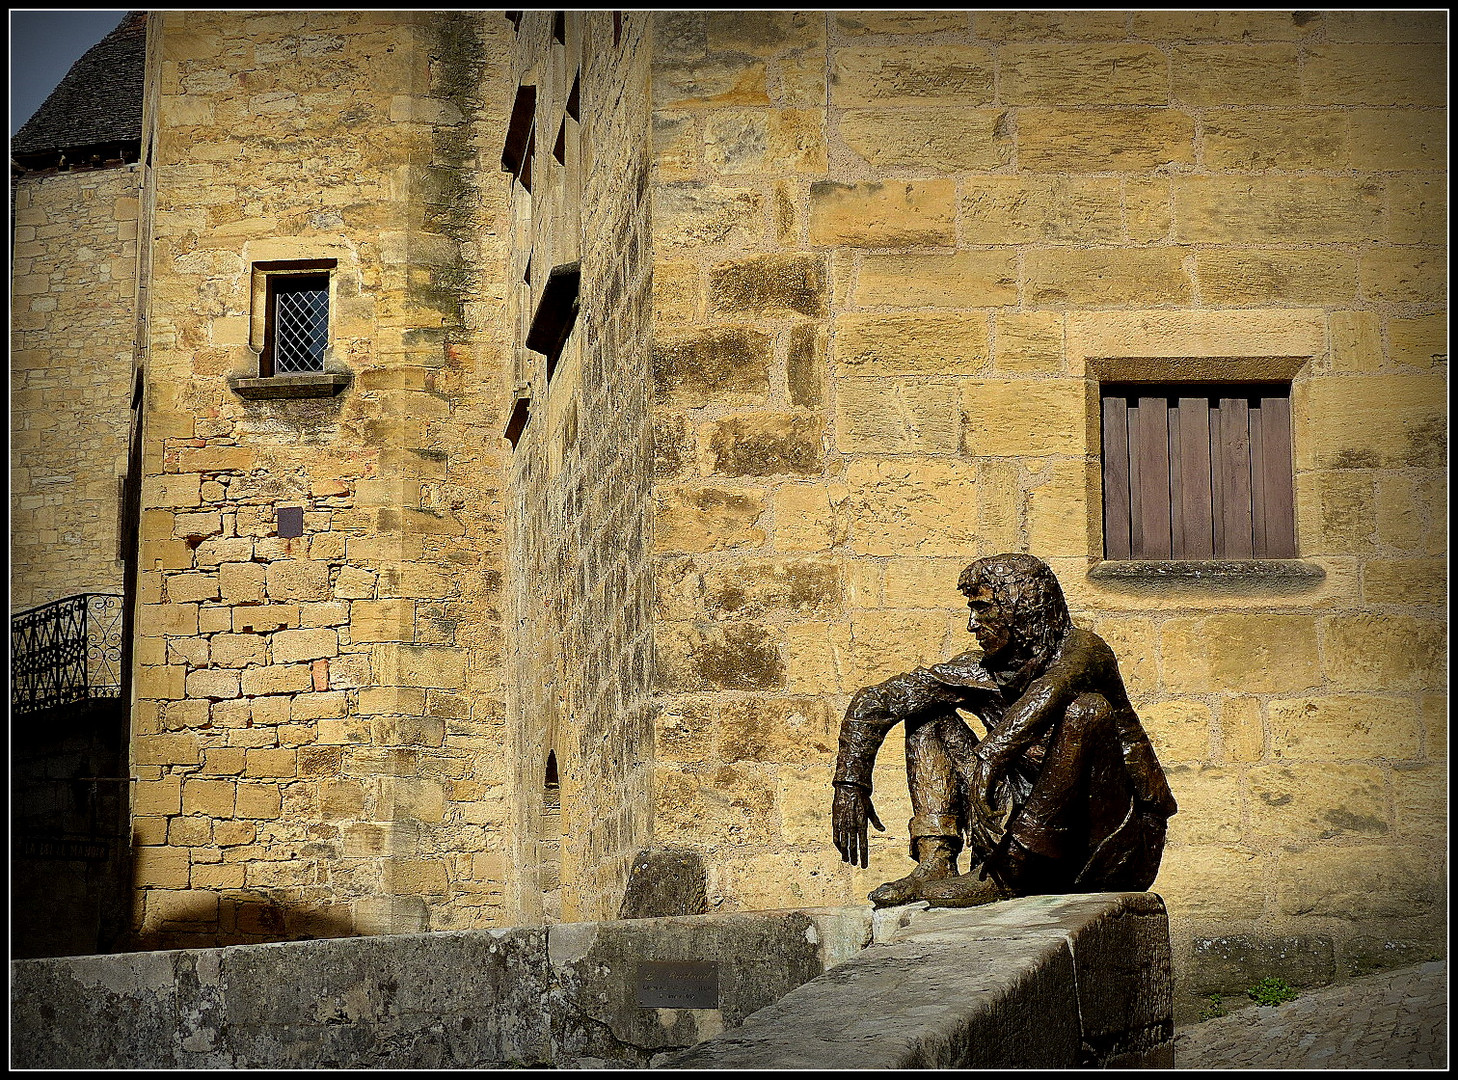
x=895 y=255
x=73 y=320
x=565 y=996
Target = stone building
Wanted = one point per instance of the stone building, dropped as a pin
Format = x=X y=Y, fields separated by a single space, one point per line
x=665 y=368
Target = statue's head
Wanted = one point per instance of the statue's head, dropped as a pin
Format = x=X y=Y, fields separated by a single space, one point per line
x=1017 y=605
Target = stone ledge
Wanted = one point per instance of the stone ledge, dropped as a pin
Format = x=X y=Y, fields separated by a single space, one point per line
x=1038 y=982
x=321 y=384
x=1232 y=576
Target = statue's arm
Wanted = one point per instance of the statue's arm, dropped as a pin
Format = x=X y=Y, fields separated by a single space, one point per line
x=875 y=710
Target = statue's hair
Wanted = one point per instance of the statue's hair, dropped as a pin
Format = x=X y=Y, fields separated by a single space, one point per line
x=1024 y=586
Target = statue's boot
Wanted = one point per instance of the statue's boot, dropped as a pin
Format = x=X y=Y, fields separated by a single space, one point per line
x=938 y=861
x=963 y=890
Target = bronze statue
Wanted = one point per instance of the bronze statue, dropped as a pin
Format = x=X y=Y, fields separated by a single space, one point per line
x=1064 y=792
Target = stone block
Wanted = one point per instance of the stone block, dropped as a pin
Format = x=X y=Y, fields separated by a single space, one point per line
x=959 y=75
x=911 y=344
x=1354 y=727
x=160 y=797
x=210 y=798
x=724 y=364
x=918 y=506
x=1109 y=277
x=997 y=411
x=1358 y=882
x=1246 y=653
x=1384 y=652
x=1257 y=278
x=1403 y=276
x=212 y=683
x=939 y=140
x=1317 y=803
x=784 y=731
x=1287 y=139
x=1382 y=140
x=893 y=213
x=899 y=22
x=1059 y=24
x=709 y=83
x=1270 y=208
x=1342 y=74
x=1231 y=964
x=297 y=579
x=694 y=657
x=769 y=286
x=804 y=519
x=805 y=364
x=172 y=489
x=963 y=279
x=171 y=619
x=693 y=214
x=1241 y=74
x=242 y=582
x=750 y=589
x=735 y=803
x=664 y=881
x=277 y=679
x=1213 y=882
x=1104 y=140
x=262 y=618
x=258 y=801
x=1179 y=730
x=1028 y=342
x=706 y=519
x=1066 y=74
x=890 y=415
x=765 y=444
x=419 y=665
x=765 y=141
x=289 y=646
x=1387 y=421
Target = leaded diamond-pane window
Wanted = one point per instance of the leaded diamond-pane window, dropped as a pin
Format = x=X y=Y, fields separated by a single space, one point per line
x=298 y=323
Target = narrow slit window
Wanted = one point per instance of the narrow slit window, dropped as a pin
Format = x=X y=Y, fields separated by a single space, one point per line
x=1198 y=472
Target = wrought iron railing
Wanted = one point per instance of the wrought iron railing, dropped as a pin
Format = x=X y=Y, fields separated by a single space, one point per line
x=66 y=651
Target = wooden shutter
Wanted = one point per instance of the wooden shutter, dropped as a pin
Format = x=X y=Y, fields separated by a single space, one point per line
x=1196 y=472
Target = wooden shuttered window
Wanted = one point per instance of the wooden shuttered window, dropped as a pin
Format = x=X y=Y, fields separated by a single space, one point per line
x=1198 y=472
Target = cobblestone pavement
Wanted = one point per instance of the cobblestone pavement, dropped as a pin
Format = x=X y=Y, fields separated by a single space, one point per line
x=1393 y=1020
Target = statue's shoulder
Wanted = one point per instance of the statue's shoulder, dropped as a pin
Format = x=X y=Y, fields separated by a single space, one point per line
x=965 y=669
x=1083 y=647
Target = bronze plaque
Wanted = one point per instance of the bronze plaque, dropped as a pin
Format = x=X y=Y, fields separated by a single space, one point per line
x=678 y=984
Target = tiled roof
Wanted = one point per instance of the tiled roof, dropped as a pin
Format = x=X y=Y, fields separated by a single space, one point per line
x=98 y=103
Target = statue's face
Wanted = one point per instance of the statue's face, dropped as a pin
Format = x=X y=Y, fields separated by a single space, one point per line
x=990 y=623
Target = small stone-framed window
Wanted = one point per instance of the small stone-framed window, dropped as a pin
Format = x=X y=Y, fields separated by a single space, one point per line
x=1197 y=471
x=295 y=308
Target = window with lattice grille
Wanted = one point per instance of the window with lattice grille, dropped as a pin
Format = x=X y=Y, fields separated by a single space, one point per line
x=1195 y=471
x=297 y=329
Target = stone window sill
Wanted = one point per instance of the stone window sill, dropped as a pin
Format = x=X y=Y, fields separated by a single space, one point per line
x=1235 y=576
x=321 y=384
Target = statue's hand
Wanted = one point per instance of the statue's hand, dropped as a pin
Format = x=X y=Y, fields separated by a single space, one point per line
x=848 y=816
x=983 y=801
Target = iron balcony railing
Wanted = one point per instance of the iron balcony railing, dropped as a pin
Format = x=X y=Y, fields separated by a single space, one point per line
x=66 y=651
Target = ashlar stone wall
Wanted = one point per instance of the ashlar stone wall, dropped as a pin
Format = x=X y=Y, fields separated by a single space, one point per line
x=895 y=254
x=73 y=318
x=319 y=721
x=579 y=517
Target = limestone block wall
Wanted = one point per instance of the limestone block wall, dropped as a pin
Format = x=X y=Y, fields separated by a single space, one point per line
x=73 y=314
x=895 y=253
x=580 y=513
x=319 y=743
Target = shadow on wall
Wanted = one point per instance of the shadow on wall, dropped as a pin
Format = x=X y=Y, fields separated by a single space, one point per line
x=199 y=920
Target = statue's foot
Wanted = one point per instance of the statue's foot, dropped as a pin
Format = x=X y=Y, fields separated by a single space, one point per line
x=965 y=890
x=909 y=889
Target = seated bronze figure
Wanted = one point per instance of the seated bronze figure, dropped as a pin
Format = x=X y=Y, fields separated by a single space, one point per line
x=1063 y=793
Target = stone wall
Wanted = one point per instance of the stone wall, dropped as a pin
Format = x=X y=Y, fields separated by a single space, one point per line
x=569 y=996
x=318 y=721
x=895 y=254
x=72 y=324
x=579 y=514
